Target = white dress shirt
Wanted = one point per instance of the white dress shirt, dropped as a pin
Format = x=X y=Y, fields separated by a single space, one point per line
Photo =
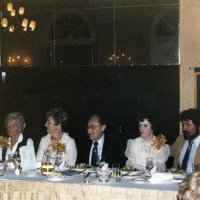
x=192 y=154
x=69 y=158
x=138 y=150
x=100 y=148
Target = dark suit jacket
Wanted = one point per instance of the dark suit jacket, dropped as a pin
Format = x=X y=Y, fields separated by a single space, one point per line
x=110 y=152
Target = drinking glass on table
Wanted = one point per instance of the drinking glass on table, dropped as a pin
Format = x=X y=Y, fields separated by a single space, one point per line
x=102 y=162
x=115 y=169
x=149 y=165
x=58 y=161
x=18 y=157
x=10 y=157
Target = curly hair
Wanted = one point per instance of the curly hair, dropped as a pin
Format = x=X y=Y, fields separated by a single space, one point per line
x=18 y=117
x=59 y=116
x=191 y=114
x=144 y=116
x=189 y=189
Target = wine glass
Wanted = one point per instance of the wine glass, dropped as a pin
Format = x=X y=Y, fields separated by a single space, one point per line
x=58 y=161
x=10 y=157
x=101 y=162
x=149 y=164
x=18 y=157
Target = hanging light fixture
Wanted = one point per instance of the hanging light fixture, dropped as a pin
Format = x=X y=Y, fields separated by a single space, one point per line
x=25 y=23
x=32 y=25
x=13 y=12
x=9 y=7
x=11 y=28
x=21 y=10
x=5 y=22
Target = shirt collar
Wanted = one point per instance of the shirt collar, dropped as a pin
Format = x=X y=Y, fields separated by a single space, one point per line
x=100 y=141
x=20 y=138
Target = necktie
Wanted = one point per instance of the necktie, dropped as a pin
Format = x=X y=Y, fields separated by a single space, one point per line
x=186 y=156
x=95 y=159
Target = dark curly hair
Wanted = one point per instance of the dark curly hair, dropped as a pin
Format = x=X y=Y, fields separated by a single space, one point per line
x=59 y=116
x=191 y=114
x=142 y=117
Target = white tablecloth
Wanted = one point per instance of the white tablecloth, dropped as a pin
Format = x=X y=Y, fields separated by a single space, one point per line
x=40 y=187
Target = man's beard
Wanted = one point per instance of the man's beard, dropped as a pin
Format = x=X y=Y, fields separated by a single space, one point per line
x=187 y=136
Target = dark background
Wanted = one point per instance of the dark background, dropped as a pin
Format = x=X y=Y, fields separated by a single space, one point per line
x=120 y=92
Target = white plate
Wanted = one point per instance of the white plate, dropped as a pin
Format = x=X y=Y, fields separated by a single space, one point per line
x=131 y=174
x=32 y=173
x=179 y=176
x=55 y=178
x=138 y=179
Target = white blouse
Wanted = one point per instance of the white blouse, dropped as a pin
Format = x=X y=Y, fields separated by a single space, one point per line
x=138 y=150
x=69 y=158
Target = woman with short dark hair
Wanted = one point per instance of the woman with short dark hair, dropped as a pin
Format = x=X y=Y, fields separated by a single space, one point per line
x=145 y=146
x=56 y=120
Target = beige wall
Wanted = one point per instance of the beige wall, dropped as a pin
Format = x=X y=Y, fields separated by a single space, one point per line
x=189 y=49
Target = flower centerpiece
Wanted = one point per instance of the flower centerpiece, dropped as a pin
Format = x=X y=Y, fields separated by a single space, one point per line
x=159 y=141
x=59 y=148
x=4 y=142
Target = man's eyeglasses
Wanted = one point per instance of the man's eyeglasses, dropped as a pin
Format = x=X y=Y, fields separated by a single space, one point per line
x=93 y=127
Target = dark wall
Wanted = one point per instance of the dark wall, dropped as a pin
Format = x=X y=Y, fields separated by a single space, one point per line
x=121 y=92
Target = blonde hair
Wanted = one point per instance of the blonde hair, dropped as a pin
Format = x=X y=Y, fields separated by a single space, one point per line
x=189 y=189
x=19 y=119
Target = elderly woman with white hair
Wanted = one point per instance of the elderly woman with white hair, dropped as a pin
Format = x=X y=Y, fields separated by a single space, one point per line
x=15 y=125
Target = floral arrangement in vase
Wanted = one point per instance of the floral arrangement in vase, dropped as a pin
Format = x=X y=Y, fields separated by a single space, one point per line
x=159 y=141
x=4 y=142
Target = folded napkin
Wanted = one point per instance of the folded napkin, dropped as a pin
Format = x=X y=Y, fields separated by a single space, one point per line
x=105 y=167
x=154 y=170
x=160 y=177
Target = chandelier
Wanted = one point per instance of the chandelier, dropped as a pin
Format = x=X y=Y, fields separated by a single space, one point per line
x=7 y=18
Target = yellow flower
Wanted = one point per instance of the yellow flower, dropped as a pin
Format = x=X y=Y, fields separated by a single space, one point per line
x=59 y=148
x=159 y=141
x=4 y=142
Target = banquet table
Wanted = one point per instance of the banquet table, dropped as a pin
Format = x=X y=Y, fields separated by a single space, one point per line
x=38 y=187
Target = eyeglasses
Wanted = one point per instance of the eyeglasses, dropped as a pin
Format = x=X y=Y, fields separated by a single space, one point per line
x=93 y=127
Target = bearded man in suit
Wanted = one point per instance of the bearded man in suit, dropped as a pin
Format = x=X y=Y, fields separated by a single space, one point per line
x=186 y=149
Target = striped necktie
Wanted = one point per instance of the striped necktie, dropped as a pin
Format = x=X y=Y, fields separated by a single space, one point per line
x=187 y=155
x=95 y=157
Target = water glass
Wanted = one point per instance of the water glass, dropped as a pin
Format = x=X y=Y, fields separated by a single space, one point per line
x=10 y=157
x=86 y=177
x=149 y=164
x=58 y=161
x=118 y=176
x=18 y=157
x=115 y=169
x=104 y=176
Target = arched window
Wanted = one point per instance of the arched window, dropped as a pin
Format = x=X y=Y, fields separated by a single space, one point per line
x=71 y=37
x=164 y=45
